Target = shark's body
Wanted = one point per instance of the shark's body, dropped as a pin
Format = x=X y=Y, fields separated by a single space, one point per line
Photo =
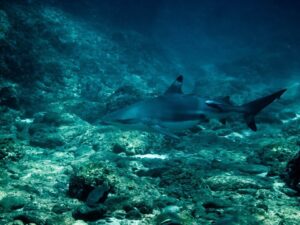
x=175 y=111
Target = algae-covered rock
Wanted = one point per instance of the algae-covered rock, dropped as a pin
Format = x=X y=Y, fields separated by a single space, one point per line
x=125 y=191
x=87 y=178
x=46 y=140
x=44 y=131
x=292 y=128
x=10 y=203
x=232 y=183
x=275 y=153
x=11 y=150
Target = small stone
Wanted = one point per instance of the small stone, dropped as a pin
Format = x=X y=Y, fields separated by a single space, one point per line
x=134 y=214
x=171 y=209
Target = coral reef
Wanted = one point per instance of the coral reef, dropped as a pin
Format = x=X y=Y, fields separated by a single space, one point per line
x=60 y=165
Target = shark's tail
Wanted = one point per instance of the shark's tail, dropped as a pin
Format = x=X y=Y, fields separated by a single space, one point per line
x=251 y=109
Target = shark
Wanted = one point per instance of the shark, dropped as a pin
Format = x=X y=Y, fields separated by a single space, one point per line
x=175 y=111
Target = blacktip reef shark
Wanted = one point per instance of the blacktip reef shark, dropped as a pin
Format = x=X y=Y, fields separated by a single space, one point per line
x=175 y=111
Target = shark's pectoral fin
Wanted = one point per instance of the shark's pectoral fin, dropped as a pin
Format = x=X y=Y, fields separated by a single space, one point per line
x=164 y=131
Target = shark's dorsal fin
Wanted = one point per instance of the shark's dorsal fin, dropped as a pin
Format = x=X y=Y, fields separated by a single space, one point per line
x=176 y=86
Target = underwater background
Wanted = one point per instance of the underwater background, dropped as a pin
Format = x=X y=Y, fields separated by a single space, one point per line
x=65 y=64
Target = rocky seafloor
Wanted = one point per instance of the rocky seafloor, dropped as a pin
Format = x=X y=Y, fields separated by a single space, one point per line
x=58 y=165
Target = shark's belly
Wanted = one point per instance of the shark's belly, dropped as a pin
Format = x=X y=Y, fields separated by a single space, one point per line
x=180 y=125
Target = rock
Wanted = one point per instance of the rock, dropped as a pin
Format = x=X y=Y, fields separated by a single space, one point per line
x=253 y=169
x=10 y=150
x=292 y=173
x=8 y=97
x=10 y=203
x=46 y=132
x=46 y=140
x=232 y=183
x=98 y=195
x=92 y=183
x=117 y=148
x=56 y=219
x=79 y=188
x=89 y=214
x=215 y=204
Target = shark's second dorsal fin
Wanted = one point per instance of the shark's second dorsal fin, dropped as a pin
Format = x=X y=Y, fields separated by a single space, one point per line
x=176 y=86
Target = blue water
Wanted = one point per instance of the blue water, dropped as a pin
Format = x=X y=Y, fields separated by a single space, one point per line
x=66 y=65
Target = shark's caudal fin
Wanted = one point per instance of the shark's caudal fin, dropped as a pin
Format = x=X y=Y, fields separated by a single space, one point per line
x=176 y=86
x=251 y=109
